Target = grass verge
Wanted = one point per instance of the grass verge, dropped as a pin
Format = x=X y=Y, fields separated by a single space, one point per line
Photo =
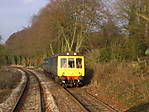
x=125 y=82
x=9 y=79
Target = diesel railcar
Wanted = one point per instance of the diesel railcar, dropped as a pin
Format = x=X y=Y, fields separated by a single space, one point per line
x=67 y=68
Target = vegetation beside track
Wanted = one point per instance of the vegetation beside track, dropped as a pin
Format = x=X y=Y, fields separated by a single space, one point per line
x=9 y=79
x=112 y=41
x=125 y=82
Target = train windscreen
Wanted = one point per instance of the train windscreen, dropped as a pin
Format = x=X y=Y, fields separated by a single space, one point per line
x=71 y=63
x=63 y=62
x=78 y=62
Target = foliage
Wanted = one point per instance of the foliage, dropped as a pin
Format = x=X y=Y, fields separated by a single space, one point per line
x=84 y=26
x=118 y=81
x=135 y=26
x=147 y=52
x=103 y=35
x=105 y=55
x=2 y=55
x=62 y=26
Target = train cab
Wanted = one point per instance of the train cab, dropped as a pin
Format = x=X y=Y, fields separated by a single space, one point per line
x=67 y=68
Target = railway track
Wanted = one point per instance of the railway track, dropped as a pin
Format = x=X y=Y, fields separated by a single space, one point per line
x=41 y=94
x=90 y=102
x=31 y=98
x=27 y=97
x=83 y=99
x=78 y=102
x=59 y=97
x=10 y=104
x=70 y=100
x=104 y=104
x=67 y=102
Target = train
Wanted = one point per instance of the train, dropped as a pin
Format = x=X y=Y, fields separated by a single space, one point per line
x=67 y=69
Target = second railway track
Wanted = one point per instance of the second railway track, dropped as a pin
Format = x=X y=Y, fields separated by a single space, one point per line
x=90 y=102
x=31 y=99
x=60 y=98
x=70 y=100
x=41 y=94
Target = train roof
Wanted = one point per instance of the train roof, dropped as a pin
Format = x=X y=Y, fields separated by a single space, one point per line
x=66 y=54
x=69 y=54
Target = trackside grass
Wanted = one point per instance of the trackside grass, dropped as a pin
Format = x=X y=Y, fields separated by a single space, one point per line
x=128 y=83
x=9 y=79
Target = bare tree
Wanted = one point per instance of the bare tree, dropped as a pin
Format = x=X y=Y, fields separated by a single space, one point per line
x=74 y=20
x=134 y=23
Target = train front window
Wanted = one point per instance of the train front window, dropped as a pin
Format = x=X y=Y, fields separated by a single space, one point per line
x=71 y=63
x=63 y=63
x=79 y=63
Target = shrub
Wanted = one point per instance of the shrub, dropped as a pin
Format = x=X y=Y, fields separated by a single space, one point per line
x=118 y=81
x=9 y=78
x=105 y=55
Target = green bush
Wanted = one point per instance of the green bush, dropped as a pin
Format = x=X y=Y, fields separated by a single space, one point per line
x=147 y=52
x=2 y=55
x=142 y=48
x=105 y=55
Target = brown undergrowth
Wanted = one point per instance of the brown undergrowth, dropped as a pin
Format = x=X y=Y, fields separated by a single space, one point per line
x=127 y=82
x=9 y=79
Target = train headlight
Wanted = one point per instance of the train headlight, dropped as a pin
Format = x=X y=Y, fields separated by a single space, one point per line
x=63 y=81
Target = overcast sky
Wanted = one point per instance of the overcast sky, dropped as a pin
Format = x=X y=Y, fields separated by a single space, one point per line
x=16 y=14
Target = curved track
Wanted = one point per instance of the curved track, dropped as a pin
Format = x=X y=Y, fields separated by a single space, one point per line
x=11 y=103
x=31 y=97
x=59 y=97
x=20 y=96
x=83 y=99
x=41 y=94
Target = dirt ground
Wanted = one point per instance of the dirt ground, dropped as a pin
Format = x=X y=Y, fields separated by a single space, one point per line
x=9 y=79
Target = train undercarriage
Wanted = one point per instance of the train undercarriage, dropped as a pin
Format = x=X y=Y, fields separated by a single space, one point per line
x=70 y=81
x=66 y=81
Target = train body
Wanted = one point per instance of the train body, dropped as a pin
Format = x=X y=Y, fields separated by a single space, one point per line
x=65 y=68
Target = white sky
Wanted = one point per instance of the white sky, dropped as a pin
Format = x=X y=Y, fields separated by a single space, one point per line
x=16 y=14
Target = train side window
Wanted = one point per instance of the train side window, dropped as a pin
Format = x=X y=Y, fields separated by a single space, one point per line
x=79 y=63
x=71 y=63
x=63 y=63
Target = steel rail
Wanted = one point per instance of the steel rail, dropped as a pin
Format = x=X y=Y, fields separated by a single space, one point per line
x=21 y=95
x=41 y=91
x=106 y=105
x=76 y=100
x=99 y=101
x=24 y=90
